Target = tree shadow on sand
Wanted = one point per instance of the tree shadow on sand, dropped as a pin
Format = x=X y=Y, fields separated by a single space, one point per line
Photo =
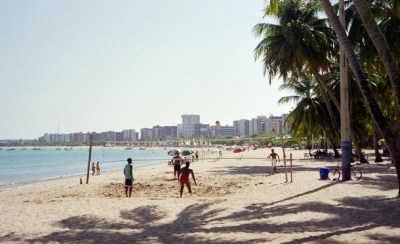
x=140 y=225
x=199 y=223
x=148 y=224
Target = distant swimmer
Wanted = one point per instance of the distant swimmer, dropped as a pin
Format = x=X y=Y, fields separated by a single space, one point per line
x=183 y=178
x=128 y=177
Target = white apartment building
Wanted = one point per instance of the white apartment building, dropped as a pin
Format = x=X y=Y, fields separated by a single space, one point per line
x=188 y=124
x=129 y=135
x=242 y=127
x=258 y=125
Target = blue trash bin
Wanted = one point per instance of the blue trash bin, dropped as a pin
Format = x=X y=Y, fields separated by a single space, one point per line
x=323 y=173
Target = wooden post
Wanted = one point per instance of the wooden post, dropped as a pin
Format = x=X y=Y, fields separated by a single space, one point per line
x=291 y=169
x=284 y=157
x=90 y=158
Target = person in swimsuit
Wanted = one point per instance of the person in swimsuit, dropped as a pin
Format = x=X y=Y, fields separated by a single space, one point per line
x=98 y=167
x=183 y=178
x=93 y=169
x=274 y=155
x=128 y=177
x=176 y=161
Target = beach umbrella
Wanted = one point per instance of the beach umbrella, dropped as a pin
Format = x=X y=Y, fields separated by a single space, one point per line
x=186 y=152
x=173 y=152
x=237 y=150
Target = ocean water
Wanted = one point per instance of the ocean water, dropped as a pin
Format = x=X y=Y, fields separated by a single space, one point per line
x=26 y=165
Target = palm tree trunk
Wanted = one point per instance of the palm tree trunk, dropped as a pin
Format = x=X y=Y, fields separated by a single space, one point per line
x=382 y=48
x=386 y=131
x=332 y=96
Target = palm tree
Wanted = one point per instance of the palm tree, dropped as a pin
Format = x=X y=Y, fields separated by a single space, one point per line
x=310 y=115
x=388 y=133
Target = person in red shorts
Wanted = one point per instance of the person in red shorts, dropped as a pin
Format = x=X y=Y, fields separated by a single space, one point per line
x=183 y=177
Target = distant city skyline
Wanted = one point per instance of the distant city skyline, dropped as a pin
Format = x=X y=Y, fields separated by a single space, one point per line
x=94 y=66
x=189 y=127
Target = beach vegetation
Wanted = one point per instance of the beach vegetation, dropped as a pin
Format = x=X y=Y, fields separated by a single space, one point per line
x=302 y=46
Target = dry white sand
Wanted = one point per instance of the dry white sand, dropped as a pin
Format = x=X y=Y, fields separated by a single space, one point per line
x=235 y=201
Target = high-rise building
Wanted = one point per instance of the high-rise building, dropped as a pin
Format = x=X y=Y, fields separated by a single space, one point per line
x=285 y=125
x=188 y=124
x=223 y=130
x=170 y=132
x=242 y=127
x=129 y=135
x=202 y=130
x=258 y=125
x=274 y=124
x=157 y=132
x=146 y=134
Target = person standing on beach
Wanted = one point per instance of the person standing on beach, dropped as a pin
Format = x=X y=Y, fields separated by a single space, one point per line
x=93 y=169
x=183 y=178
x=274 y=155
x=176 y=161
x=98 y=168
x=128 y=177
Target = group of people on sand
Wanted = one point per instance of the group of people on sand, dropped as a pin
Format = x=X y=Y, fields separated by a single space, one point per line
x=96 y=169
x=182 y=174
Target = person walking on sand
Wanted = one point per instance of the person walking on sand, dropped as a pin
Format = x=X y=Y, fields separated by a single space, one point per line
x=183 y=178
x=176 y=161
x=98 y=168
x=274 y=155
x=93 y=169
x=128 y=177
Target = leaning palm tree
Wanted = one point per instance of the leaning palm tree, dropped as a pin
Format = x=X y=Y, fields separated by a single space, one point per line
x=390 y=134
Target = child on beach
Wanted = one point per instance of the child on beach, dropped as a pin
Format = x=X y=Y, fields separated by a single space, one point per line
x=274 y=155
x=183 y=177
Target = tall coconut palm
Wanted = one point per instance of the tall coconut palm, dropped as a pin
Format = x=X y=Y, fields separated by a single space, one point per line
x=310 y=115
x=300 y=40
x=388 y=133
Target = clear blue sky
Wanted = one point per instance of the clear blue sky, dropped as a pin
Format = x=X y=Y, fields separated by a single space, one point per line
x=96 y=65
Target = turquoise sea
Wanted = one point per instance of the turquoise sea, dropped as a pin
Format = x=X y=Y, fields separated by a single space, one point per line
x=24 y=165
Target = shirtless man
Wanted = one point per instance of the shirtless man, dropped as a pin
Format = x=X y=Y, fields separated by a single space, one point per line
x=274 y=155
x=183 y=178
x=177 y=161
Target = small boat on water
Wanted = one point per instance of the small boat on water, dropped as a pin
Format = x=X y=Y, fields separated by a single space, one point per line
x=142 y=148
x=128 y=148
x=36 y=148
x=68 y=149
x=11 y=149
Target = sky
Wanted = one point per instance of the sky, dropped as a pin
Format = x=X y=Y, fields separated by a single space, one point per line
x=92 y=65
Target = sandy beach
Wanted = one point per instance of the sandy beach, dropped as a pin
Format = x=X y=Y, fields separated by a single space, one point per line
x=236 y=200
